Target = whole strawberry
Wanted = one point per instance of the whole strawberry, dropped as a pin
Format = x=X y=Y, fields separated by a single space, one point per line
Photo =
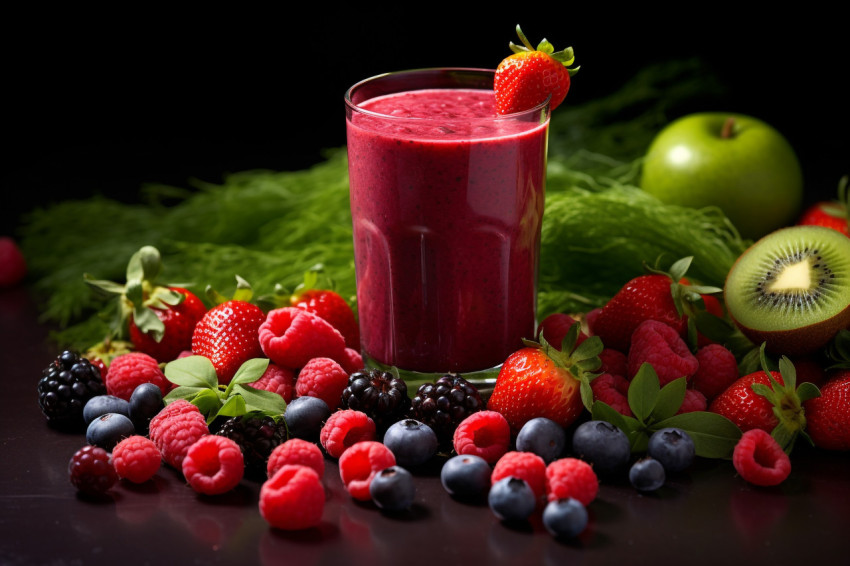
x=829 y=415
x=526 y=78
x=768 y=401
x=158 y=319
x=833 y=214
x=228 y=334
x=541 y=381
x=658 y=295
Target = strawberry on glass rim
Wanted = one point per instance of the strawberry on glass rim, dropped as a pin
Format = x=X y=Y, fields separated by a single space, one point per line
x=526 y=78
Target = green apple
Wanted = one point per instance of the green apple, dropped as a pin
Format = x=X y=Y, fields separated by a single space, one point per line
x=735 y=162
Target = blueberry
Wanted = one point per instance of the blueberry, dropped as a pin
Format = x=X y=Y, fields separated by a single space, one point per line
x=647 y=474
x=412 y=443
x=603 y=445
x=99 y=405
x=466 y=476
x=544 y=437
x=565 y=518
x=108 y=430
x=511 y=499
x=392 y=489
x=305 y=416
x=145 y=403
x=673 y=447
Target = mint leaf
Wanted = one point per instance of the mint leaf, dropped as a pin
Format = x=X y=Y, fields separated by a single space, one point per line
x=602 y=411
x=669 y=399
x=259 y=400
x=233 y=407
x=183 y=392
x=249 y=372
x=643 y=392
x=714 y=436
x=208 y=402
x=192 y=371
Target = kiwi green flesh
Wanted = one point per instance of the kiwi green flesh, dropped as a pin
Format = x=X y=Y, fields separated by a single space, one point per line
x=793 y=285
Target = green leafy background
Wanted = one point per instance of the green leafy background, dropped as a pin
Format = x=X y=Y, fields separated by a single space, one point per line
x=270 y=226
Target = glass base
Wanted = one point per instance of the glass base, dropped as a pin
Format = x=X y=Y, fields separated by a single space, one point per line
x=484 y=380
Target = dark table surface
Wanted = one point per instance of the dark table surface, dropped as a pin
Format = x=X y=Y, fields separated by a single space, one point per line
x=706 y=515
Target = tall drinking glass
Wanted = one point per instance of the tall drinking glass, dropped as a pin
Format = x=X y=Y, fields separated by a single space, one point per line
x=446 y=203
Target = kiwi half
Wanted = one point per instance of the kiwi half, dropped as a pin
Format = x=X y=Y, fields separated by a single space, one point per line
x=791 y=289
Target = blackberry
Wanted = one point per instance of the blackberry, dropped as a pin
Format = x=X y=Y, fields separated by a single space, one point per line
x=65 y=387
x=257 y=435
x=379 y=394
x=442 y=405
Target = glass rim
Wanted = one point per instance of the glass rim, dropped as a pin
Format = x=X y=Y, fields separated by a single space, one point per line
x=543 y=106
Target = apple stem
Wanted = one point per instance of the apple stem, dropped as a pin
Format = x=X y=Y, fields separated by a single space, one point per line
x=728 y=125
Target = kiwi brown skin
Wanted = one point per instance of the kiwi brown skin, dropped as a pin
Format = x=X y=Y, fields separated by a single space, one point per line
x=794 y=332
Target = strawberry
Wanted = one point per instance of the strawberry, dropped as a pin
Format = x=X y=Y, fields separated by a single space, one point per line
x=526 y=78
x=833 y=214
x=158 y=319
x=542 y=381
x=665 y=297
x=228 y=334
x=829 y=415
x=768 y=401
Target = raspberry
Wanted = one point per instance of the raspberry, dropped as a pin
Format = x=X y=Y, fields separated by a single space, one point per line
x=213 y=465
x=486 y=434
x=613 y=362
x=345 y=428
x=296 y=452
x=322 y=378
x=694 y=401
x=91 y=471
x=293 y=499
x=359 y=464
x=278 y=380
x=175 y=429
x=760 y=459
x=612 y=390
x=525 y=466
x=136 y=458
x=128 y=371
x=660 y=345
x=351 y=361
x=718 y=369
x=571 y=477
x=291 y=337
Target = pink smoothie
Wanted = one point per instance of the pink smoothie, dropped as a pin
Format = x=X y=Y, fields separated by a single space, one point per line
x=446 y=204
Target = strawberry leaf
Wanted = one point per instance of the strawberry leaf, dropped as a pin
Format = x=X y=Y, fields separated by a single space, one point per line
x=643 y=392
x=807 y=391
x=669 y=399
x=192 y=371
x=714 y=435
x=144 y=265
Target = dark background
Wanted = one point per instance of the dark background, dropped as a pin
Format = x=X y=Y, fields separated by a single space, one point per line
x=101 y=103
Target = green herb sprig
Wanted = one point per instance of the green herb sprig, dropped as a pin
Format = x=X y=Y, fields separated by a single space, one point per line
x=197 y=383
x=654 y=407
